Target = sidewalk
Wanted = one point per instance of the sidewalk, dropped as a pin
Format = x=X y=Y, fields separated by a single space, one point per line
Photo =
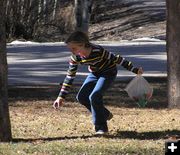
x=47 y=63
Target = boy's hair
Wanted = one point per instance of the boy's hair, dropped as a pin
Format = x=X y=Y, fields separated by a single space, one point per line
x=78 y=37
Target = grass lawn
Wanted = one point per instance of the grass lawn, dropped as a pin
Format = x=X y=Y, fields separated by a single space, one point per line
x=39 y=129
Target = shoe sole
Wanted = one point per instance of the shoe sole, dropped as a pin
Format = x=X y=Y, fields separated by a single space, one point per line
x=101 y=133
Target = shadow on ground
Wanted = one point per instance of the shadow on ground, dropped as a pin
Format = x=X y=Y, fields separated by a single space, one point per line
x=115 y=96
x=152 y=135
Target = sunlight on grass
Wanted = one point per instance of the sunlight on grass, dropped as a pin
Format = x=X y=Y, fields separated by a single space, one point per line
x=85 y=146
x=38 y=129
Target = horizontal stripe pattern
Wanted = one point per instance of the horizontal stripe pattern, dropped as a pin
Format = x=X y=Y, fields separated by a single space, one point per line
x=98 y=61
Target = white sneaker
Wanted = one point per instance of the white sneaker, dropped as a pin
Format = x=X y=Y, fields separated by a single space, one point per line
x=101 y=132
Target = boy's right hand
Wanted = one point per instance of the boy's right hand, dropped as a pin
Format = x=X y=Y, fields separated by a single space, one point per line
x=58 y=102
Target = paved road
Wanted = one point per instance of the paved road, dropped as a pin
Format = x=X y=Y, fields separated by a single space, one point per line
x=37 y=64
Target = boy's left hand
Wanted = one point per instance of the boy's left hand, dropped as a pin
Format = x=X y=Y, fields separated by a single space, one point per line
x=140 y=71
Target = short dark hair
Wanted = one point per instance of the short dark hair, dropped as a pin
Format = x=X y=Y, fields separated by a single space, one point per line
x=78 y=37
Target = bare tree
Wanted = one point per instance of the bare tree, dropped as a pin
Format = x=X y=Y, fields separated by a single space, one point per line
x=173 y=52
x=5 y=127
x=82 y=14
x=54 y=9
x=29 y=19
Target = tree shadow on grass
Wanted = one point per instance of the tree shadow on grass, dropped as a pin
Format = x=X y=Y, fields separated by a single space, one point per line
x=48 y=139
x=152 y=135
x=115 y=96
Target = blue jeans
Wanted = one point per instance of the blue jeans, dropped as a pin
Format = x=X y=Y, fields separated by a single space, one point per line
x=91 y=94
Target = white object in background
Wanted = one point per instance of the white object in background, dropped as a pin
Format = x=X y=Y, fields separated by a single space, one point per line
x=139 y=89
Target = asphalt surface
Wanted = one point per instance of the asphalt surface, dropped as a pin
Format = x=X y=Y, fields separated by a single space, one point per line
x=44 y=64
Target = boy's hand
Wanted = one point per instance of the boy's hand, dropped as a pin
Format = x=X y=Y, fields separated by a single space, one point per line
x=140 y=71
x=58 y=102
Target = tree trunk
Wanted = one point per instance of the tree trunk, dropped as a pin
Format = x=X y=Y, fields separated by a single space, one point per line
x=5 y=127
x=173 y=52
x=82 y=14
x=54 y=9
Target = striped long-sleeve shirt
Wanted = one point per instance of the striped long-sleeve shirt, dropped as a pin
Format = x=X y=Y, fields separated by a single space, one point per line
x=98 y=61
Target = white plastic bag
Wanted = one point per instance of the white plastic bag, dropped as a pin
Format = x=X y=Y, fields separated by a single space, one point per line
x=139 y=90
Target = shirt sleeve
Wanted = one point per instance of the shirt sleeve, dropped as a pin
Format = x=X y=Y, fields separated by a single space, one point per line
x=71 y=74
x=117 y=59
x=126 y=64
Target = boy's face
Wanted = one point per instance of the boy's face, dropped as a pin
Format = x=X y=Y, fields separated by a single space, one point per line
x=77 y=48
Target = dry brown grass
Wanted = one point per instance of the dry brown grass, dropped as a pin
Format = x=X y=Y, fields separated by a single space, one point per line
x=39 y=129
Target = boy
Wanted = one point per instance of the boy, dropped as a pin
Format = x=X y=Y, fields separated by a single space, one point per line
x=103 y=70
